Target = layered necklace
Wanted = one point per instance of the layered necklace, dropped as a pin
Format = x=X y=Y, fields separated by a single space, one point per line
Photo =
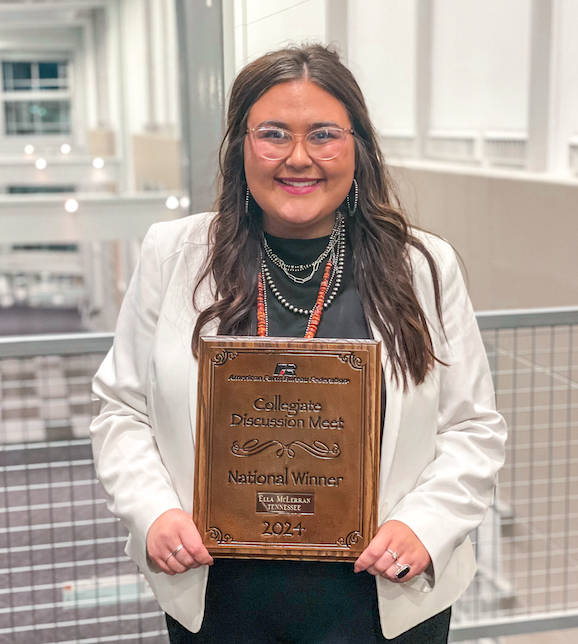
x=334 y=253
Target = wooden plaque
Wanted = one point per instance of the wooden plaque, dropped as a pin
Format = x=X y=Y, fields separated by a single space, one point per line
x=287 y=447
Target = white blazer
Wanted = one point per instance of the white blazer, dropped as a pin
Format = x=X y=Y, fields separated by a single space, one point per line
x=443 y=441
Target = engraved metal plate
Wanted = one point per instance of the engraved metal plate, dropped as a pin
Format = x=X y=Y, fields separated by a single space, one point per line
x=285 y=503
x=287 y=447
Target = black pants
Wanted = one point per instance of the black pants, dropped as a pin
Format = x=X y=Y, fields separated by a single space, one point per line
x=282 y=602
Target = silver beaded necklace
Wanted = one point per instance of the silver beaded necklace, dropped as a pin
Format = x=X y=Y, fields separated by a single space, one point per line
x=336 y=253
x=290 y=269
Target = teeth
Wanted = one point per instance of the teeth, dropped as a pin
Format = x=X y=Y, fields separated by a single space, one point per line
x=299 y=184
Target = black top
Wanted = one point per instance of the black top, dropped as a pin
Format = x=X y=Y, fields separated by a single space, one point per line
x=344 y=318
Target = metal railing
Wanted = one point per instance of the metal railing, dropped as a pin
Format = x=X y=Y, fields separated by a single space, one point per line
x=63 y=573
x=527 y=548
x=64 y=577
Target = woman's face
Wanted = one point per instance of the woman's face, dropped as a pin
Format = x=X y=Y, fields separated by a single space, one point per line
x=291 y=210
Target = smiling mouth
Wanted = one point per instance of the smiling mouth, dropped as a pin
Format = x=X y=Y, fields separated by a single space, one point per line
x=299 y=184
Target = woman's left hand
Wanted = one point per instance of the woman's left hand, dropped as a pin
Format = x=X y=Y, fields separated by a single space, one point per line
x=396 y=537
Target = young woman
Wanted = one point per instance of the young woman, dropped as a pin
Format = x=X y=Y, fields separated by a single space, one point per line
x=306 y=240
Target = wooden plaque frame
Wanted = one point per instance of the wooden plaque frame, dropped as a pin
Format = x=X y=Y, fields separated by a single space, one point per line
x=287 y=447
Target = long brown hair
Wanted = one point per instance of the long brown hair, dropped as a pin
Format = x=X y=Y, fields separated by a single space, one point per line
x=379 y=232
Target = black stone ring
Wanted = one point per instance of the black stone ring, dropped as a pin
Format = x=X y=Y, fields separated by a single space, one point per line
x=402 y=570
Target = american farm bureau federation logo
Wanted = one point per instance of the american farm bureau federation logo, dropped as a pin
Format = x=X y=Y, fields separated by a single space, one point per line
x=285 y=369
x=286 y=372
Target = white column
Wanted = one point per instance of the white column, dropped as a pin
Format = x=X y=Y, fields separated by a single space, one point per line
x=101 y=310
x=151 y=76
x=229 y=44
x=336 y=13
x=241 y=38
x=172 y=66
x=200 y=33
x=112 y=67
x=118 y=30
x=90 y=73
x=165 y=63
x=539 y=122
x=423 y=74
x=99 y=24
x=563 y=84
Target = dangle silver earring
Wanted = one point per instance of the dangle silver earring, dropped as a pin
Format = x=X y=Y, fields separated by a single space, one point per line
x=351 y=211
x=247 y=197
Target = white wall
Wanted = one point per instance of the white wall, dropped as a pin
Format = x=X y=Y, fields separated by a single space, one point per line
x=480 y=64
x=263 y=25
x=515 y=232
x=382 y=47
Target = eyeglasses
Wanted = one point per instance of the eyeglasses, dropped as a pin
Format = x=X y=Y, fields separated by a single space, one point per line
x=275 y=144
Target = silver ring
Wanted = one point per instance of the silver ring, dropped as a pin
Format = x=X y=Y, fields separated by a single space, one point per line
x=175 y=552
x=402 y=570
x=393 y=554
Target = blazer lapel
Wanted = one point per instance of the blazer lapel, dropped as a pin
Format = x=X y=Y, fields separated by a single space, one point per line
x=205 y=298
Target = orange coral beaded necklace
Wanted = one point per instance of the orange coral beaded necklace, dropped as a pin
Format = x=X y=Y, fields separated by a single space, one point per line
x=316 y=312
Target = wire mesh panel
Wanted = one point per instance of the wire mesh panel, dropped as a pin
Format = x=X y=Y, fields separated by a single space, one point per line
x=64 y=576
x=527 y=548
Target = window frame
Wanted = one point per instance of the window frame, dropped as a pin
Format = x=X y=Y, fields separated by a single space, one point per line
x=35 y=75
x=68 y=94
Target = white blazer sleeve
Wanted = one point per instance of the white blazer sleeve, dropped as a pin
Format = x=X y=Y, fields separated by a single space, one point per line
x=128 y=464
x=453 y=492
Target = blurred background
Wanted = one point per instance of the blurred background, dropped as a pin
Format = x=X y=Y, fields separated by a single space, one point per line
x=111 y=114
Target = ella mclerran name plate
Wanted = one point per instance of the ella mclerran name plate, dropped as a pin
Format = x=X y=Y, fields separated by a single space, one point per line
x=287 y=447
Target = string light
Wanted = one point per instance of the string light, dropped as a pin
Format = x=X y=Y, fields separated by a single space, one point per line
x=71 y=205
x=172 y=203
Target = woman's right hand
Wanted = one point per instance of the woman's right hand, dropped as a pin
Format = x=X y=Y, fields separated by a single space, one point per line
x=167 y=533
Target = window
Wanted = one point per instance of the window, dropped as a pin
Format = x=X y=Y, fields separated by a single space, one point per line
x=36 y=97
x=34 y=76
x=60 y=248
x=37 y=117
x=29 y=190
